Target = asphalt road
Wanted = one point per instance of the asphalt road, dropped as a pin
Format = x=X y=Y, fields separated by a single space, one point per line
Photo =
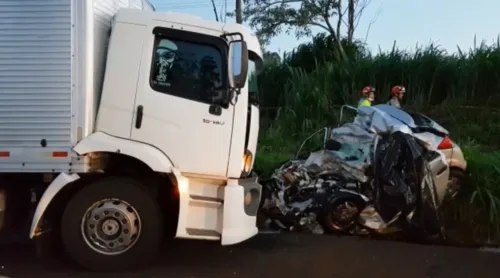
x=276 y=256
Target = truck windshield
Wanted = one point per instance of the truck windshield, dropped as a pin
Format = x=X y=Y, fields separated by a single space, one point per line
x=253 y=86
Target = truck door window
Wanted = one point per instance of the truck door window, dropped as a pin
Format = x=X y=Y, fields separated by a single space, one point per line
x=188 y=70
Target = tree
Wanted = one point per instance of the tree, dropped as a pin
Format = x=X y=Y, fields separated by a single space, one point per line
x=270 y=17
x=272 y=58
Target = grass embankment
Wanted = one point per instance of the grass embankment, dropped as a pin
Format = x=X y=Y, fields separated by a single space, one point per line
x=448 y=88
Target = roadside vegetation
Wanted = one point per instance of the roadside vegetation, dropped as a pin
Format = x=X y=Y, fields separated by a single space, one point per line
x=304 y=91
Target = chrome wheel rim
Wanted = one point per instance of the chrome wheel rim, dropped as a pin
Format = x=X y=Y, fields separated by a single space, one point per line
x=343 y=215
x=453 y=187
x=111 y=226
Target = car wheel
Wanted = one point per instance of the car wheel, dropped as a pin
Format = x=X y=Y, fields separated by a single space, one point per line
x=455 y=184
x=112 y=225
x=342 y=215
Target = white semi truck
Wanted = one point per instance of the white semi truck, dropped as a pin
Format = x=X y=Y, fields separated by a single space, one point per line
x=118 y=122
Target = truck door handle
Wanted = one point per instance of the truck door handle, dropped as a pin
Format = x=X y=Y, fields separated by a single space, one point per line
x=215 y=110
x=138 y=117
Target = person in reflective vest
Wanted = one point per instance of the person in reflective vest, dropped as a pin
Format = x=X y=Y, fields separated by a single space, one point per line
x=367 y=96
x=397 y=94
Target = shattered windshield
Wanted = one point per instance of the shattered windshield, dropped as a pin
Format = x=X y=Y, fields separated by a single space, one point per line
x=424 y=121
x=420 y=120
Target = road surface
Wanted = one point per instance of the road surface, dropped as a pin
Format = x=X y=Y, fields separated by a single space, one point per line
x=290 y=255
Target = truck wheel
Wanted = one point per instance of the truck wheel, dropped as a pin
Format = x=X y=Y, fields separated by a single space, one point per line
x=111 y=225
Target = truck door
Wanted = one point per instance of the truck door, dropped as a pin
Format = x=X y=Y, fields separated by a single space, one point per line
x=181 y=105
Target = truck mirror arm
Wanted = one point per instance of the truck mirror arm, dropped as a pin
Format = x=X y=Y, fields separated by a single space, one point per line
x=233 y=95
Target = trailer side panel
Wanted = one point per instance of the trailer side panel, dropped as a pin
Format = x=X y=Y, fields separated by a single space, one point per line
x=35 y=82
x=52 y=62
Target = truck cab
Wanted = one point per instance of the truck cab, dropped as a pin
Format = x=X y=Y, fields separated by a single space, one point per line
x=171 y=138
x=180 y=100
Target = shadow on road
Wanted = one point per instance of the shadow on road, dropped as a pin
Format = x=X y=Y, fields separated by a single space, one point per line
x=282 y=255
x=28 y=258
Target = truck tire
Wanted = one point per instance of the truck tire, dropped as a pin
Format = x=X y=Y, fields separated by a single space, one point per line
x=112 y=225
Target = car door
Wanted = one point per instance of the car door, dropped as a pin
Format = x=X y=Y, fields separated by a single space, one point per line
x=182 y=96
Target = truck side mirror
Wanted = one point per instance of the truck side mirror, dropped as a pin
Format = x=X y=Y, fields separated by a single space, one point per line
x=238 y=64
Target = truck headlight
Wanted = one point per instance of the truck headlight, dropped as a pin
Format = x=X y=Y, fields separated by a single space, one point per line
x=246 y=164
x=183 y=185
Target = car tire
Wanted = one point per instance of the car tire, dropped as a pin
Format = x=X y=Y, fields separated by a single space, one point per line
x=330 y=217
x=457 y=176
x=135 y=205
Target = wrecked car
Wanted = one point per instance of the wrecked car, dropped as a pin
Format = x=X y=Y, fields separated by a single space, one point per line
x=437 y=137
x=434 y=134
x=370 y=176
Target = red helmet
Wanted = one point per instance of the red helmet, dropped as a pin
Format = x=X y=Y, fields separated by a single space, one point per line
x=398 y=89
x=367 y=90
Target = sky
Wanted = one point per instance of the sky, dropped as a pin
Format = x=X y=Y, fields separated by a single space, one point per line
x=447 y=23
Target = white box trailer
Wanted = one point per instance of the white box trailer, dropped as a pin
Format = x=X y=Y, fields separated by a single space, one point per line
x=52 y=59
x=117 y=122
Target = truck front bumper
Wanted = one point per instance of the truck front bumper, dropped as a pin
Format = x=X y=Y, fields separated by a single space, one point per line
x=241 y=203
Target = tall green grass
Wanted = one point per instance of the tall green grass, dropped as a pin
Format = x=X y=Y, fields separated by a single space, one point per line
x=461 y=91
x=311 y=78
